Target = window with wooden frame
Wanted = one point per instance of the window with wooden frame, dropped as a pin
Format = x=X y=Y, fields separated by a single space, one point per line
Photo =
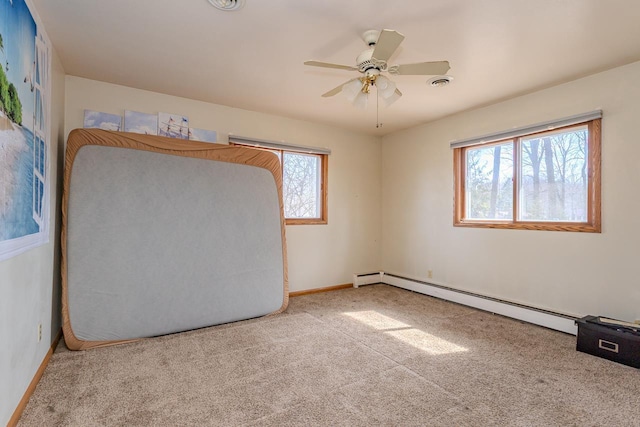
x=542 y=177
x=304 y=179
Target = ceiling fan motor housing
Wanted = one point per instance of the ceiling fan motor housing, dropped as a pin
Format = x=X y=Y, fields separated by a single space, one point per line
x=367 y=64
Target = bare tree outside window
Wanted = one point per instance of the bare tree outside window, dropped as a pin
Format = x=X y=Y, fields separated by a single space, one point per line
x=489 y=187
x=544 y=181
x=554 y=179
x=304 y=185
x=301 y=185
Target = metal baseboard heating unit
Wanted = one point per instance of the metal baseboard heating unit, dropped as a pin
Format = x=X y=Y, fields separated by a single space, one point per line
x=367 y=279
x=536 y=316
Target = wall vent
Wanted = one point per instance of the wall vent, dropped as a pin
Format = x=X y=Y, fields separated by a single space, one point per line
x=228 y=5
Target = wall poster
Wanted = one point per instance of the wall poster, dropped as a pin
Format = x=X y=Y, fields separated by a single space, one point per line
x=203 y=135
x=173 y=126
x=137 y=122
x=24 y=130
x=106 y=121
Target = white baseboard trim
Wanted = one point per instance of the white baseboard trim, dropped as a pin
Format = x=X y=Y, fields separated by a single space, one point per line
x=367 y=279
x=548 y=319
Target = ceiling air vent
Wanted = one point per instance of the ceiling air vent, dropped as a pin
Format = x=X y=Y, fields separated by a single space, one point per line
x=228 y=5
x=440 y=81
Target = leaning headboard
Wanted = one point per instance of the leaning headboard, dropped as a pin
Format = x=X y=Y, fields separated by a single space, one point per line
x=161 y=235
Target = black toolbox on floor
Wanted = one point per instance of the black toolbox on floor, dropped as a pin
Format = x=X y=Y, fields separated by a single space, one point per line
x=610 y=339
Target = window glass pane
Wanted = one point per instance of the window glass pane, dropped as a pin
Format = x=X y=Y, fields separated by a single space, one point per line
x=42 y=157
x=301 y=185
x=40 y=197
x=37 y=111
x=489 y=182
x=36 y=153
x=554 y=183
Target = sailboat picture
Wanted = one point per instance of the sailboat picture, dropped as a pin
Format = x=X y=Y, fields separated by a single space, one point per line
x=173 y=125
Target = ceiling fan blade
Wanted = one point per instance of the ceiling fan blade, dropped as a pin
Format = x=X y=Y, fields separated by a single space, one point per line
x=333 y=91
x=337 y=90
x=387 y=44
x=420 y=69
x=329 y=65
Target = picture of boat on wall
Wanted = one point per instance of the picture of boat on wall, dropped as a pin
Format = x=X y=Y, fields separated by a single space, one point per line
x=173 y=125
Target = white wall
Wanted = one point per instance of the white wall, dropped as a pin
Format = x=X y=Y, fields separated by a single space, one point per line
x=29 y=284
x=573 y=273
x=318 y=255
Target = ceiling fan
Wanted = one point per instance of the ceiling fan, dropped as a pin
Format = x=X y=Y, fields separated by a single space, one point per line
x=372 y=62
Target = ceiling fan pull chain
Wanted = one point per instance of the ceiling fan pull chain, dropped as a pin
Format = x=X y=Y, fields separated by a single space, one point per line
x=378 y=124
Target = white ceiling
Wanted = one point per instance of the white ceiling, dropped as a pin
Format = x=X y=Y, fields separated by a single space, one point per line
x=253 y=58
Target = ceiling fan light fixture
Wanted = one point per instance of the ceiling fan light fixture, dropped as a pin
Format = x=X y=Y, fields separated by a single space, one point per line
x=361 y=100
x=386 y=87
x=227 y=5
x=395 y=95
x=351 y=89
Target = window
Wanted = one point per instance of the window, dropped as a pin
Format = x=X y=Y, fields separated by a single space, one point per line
x=304 y=182
x=544 y=180
x=303 y=187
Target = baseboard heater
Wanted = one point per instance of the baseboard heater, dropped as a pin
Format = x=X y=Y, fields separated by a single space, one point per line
x=548 y=319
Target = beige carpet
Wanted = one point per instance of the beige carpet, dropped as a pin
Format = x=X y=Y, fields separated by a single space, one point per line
x=376 y=355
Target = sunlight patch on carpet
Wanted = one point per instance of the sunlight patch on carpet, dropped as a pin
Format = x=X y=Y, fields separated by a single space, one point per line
x=406 y=333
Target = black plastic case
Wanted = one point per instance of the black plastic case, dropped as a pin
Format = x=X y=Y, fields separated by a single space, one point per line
x=617 y=343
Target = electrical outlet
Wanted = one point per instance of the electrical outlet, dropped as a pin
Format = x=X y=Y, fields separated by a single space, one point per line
x=430 y=274
x=39 y=332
